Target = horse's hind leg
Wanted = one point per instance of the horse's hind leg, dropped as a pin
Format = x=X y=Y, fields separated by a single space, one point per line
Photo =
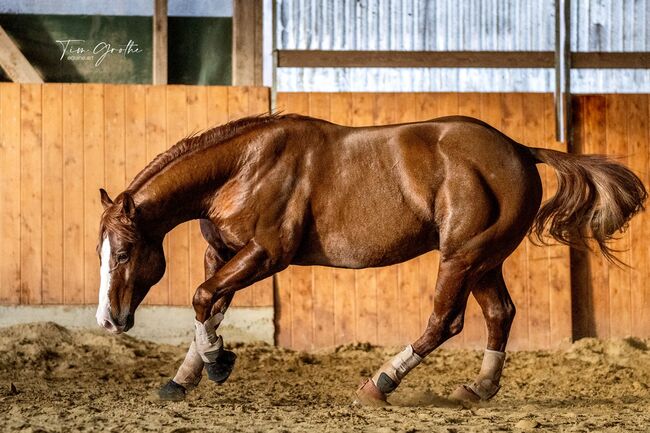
x=499 y=312
x=452 y=289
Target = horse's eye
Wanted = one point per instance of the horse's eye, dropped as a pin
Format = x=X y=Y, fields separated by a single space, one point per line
x=122 y=257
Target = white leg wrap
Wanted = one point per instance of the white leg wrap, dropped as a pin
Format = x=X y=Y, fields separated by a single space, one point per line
x=208 y=343
x=189 y=373
x=392 y=372
x=487 y=382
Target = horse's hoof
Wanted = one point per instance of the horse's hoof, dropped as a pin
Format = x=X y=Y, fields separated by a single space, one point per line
x=369 y=395
x=219 y=370
x=172 y=391
x=465 y=394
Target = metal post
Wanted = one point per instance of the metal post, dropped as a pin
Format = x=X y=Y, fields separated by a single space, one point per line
x=563 y=71
x=274 y=51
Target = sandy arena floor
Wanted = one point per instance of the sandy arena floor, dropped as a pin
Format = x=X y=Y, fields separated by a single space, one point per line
x=86 y=381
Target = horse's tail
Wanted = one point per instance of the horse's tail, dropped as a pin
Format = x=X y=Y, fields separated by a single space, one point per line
x=595 y=198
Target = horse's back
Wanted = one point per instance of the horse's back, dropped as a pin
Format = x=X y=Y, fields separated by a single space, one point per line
x=375 y=196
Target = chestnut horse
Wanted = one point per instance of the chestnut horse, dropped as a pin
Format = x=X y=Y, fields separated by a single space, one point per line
x=276 y=190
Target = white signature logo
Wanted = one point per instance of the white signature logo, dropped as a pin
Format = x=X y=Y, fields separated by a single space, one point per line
x=74 y=49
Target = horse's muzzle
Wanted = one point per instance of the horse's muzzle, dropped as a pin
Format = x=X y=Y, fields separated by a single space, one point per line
x=117 y=326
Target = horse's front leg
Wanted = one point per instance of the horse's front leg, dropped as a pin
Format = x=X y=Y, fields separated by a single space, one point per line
x=190 y=371
x=252 y=263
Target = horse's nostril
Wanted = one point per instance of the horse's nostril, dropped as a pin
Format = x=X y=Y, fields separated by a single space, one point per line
x=108 y=324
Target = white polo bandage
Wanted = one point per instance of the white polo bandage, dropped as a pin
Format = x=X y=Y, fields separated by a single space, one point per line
x=397 y=368
x=487 y=382
x=208 y=343
x=189 y=373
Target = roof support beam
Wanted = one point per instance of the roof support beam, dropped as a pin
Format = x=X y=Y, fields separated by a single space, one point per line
x=14 y=63
x=247 y=26
x=160 y=42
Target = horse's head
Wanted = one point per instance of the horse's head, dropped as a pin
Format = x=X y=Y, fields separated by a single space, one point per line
x=130 y=263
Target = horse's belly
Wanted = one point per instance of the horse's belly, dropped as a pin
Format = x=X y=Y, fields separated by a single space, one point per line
x=367 y=242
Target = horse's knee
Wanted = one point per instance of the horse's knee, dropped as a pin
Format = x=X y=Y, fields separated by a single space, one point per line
x=456 y=325
x=202 y=299
x=448 y=326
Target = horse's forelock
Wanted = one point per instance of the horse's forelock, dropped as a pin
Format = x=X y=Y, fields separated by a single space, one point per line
x=114 y=221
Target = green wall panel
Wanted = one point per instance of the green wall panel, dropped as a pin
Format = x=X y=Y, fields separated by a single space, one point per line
x=98 y=48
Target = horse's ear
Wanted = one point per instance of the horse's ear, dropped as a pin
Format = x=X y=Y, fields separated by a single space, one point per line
x=106 y=200
x=128 y=205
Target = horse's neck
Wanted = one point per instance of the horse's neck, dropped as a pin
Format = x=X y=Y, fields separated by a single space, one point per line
x=183 y=189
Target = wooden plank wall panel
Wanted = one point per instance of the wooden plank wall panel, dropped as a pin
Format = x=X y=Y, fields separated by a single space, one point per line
x=93 y=173
x=52 y=205
x=475 y=331
x=197 y=120
x=156 y=143
x=391 y=305
x=638 y=139
x=178 y=266
x=59 y=143
x=10 y=193
x=616 y=300
x=73 y=197
x=31 y=193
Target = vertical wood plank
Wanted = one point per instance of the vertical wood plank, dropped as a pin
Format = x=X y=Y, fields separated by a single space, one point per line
x=619 y=278
x=638 y=134
x=515 y=266
x=238 y=105
x=179 y=237
x=596 y=142
x=411 y=326
x=302 y=289
x=52 y=207
x=135 y=149
x=559 y=263
x=73 y=197
x=93 y=142
x=197 y=121
x=160 y=49
x=319 y=107
x=365 y=280
x=218 y=107
x=475 y=331
x=302 y=305
x=262 y=291
x=114 y=139
x=283 y=316
x=539 y=308
x=387 y=279
x=31 y=193
x=247 y=42
x=10 y=164
x=156 y=143
x=344 y=280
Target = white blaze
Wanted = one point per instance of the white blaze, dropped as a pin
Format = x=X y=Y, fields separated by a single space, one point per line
x=104 y=305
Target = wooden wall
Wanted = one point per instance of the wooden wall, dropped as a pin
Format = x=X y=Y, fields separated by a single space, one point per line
x=59 y=143
x=320 y=307
x=612 y=301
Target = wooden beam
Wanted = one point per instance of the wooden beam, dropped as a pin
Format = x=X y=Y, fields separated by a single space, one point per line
x=456 y=59
x=160 y=42
x=247 y=42
x=14 y=63
x=415 y=59
x=627 y=60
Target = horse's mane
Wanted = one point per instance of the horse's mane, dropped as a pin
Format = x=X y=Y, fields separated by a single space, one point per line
x=195 y=142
